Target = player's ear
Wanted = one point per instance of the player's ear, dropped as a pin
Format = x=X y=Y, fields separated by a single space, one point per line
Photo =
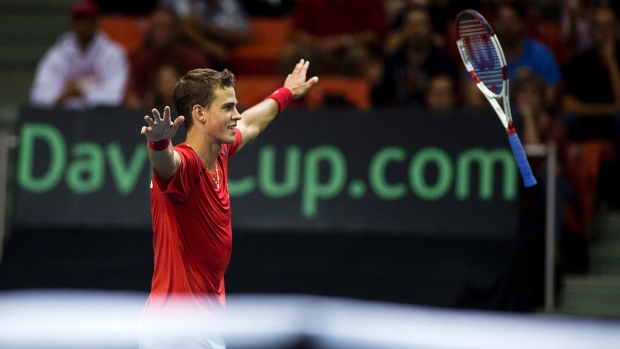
x=198 y=113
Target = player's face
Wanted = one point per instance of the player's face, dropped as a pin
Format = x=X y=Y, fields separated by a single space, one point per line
x=222 y=116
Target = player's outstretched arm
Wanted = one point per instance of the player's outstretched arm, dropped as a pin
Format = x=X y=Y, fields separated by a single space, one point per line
x=255 y=120
x=159 y=131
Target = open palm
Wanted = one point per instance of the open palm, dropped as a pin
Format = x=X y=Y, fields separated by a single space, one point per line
x=296 y=81
x=161 y=128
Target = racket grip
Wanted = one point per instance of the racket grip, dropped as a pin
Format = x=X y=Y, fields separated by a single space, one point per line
x=524 y=166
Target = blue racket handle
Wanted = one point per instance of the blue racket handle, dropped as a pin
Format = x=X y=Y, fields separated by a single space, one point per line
x=524 y=165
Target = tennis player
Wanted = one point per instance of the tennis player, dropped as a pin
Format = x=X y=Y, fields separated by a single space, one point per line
x=190 y=204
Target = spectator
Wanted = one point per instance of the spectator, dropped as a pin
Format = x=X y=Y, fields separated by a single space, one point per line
x=531 y=108
x=338 y=36
x=84 y=68
x=441 y=93
x=163 y=46
x=541 y=127
x=488 y=8
x=407 y=72
x=438 y=10
x=575 y=24
x=591 y=102
x=521 y=51
x=160 y=89
x=213 y=26
x=592 y=82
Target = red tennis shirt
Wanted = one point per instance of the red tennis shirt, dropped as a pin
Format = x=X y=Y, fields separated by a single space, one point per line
x=192 y=232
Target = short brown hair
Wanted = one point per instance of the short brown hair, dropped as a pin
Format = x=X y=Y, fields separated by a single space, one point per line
x=197 y=87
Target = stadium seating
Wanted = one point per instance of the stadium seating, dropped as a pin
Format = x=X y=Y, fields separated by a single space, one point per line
x=251 y=89
x=260 y=56
x=351 y=91
x=355 y=92
x=29 y=28
x=129 y=31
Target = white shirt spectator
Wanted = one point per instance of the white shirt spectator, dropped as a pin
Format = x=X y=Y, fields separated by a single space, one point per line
x=101 y=73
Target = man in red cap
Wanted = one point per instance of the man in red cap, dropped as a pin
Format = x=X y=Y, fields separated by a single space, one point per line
x=83 y=68
x=85 y=9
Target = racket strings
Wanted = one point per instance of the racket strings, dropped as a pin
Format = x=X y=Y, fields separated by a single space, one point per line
x=482 y=53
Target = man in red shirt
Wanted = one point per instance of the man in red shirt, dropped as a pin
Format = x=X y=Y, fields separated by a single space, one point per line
x=190 y=204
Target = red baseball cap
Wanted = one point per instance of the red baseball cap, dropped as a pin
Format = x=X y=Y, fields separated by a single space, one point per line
x=85 y=9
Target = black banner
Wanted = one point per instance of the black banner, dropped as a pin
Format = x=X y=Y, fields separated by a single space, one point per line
x=407 y=172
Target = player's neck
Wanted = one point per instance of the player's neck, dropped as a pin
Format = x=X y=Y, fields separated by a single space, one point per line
x=206 y=150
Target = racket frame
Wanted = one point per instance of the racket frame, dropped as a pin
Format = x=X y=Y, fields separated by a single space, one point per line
x=505 y=114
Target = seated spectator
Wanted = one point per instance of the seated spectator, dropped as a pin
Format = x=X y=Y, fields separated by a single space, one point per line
x=84 y=68
x=441 y=93
x=521 y=51
x=592 y=78
x=160 y=89
x=213 y=26
x=337 y=36
x=438 y=11
x=488 y=8
x=591 y=103
x=163 y=45
x=407 y=72
x=532 y=110
x=575 y=24
x=538 y=126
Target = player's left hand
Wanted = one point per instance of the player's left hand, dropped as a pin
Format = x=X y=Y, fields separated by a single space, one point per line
x=296 y=81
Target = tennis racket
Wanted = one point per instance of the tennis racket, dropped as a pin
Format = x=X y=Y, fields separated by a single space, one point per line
x=485 y=62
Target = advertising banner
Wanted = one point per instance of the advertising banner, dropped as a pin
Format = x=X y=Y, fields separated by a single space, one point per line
x=409 y=172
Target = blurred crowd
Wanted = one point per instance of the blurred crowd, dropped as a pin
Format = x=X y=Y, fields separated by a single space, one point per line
x=404 y=49
x=563 y=60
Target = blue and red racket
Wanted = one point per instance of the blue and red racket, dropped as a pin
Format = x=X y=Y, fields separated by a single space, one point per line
x=484 y=60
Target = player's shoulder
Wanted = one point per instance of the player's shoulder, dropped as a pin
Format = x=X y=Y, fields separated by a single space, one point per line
x=185 y=150
x=190 y=161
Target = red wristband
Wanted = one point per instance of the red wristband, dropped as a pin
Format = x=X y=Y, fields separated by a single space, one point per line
x=283 y=96
x=159 y=145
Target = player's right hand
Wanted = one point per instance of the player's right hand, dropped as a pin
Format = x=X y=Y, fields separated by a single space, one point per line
x=161 y=128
